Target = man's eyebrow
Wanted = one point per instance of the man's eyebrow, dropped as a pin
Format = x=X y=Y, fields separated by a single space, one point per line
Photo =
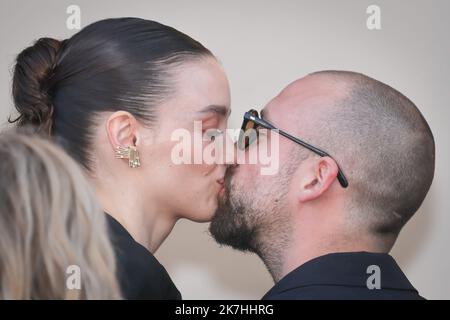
x=218 y=109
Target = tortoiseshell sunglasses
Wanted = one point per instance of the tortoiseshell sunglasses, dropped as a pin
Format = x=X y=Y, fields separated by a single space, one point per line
x=249 y=133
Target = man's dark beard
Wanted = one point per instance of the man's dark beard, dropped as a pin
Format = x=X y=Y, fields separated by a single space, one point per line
x=258 y=219
x=230 y=226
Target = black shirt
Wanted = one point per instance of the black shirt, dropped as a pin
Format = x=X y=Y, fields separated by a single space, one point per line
x=344 y=276
x=140 y=275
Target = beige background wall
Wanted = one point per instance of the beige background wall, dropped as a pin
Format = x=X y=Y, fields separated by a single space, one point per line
x=264 y=45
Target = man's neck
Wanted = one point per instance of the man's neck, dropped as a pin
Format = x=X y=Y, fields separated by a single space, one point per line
x=301 y=250
x=300 y=253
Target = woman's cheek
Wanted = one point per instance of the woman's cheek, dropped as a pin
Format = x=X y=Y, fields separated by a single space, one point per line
x=208 y=169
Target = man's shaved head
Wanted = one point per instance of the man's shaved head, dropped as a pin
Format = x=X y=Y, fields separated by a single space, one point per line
x=376 y=136
x=381 y=141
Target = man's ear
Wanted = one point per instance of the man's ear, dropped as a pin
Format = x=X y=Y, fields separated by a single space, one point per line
x=121 y=128
x=319 y=175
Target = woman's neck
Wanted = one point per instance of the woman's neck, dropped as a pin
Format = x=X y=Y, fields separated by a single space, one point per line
x=148 y=224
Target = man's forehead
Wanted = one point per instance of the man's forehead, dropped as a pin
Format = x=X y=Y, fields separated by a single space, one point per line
x=301 y=100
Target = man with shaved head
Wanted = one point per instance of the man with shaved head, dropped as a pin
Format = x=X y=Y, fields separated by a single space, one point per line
x=356 y=162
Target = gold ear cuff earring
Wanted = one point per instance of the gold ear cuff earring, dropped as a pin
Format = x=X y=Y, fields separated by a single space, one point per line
x=129 y=153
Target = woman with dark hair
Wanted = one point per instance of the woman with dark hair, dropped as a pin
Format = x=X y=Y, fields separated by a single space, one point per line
x=113 y=94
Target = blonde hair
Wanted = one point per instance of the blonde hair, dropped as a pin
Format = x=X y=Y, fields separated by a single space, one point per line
x=49 y=221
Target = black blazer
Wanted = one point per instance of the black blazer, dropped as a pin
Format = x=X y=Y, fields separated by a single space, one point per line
x=140 y=275
x=344 y=276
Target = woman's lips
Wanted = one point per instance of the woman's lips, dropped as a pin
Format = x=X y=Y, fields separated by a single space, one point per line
x=221 y=191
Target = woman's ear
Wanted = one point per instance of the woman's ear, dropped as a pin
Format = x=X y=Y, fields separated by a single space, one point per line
x=318 y=176
x=121 y=128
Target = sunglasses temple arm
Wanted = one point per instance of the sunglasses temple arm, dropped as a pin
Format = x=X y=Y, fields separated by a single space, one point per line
x=341 y=178
x=304 y=144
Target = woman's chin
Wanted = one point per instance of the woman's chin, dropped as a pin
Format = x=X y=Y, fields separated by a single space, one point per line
x=203 y=214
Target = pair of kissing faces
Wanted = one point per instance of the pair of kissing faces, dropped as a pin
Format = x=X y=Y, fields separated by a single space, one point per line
x=236 y=194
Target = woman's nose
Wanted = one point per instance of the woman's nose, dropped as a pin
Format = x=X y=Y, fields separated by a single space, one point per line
x=230 y=151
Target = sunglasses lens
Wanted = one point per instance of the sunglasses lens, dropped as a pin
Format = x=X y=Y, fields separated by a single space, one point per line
x=248 y=135
x=251 y=132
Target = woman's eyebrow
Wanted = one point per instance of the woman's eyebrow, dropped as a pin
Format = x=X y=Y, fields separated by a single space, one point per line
x=218 y=109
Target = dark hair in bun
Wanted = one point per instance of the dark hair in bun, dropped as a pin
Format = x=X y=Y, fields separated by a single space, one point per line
x=32 y=95
x=110 y=65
